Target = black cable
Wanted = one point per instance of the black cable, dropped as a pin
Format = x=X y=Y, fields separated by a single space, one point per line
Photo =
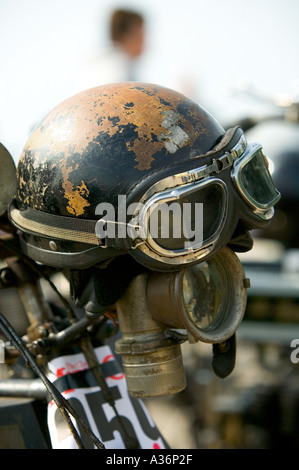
x=92 y=360
x=62 y=404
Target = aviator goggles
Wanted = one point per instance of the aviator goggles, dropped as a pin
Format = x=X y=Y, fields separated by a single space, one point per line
x=182 y=217
x=176 y=221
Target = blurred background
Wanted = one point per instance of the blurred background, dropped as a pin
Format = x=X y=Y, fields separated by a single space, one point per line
x=238 y=59
x=204 y=49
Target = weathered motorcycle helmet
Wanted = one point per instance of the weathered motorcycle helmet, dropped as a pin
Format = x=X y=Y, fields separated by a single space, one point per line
x=110 y=163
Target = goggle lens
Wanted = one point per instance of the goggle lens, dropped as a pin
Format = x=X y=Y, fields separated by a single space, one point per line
x=255 y=181
x=190 y=221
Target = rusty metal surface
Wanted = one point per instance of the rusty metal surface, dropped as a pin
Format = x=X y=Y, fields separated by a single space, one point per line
x=101 y=141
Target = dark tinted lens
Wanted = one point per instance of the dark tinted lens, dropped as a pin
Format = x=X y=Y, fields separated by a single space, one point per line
x=195 y=217
x=257 y=182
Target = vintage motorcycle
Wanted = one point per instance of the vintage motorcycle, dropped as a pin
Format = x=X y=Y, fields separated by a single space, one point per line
x=91 y=365
x=74 y=369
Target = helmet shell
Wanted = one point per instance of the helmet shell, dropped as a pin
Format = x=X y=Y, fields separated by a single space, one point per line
x=101 y=142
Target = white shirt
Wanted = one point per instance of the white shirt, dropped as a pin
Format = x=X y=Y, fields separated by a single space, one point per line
x=111 y=66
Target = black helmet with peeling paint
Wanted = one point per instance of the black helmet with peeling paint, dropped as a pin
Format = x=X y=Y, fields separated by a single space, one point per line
x=118 y=139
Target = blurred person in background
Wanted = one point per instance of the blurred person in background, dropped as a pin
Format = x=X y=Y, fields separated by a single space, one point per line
x=117 y=62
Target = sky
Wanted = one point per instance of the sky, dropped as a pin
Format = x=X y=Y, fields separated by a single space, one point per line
x=207 y=50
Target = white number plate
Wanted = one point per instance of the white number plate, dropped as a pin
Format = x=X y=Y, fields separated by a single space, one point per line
x=77 y=384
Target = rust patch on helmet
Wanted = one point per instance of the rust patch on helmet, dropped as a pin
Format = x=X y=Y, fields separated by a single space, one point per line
x=77 y=197
x=146 y=108
x=108 y=109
